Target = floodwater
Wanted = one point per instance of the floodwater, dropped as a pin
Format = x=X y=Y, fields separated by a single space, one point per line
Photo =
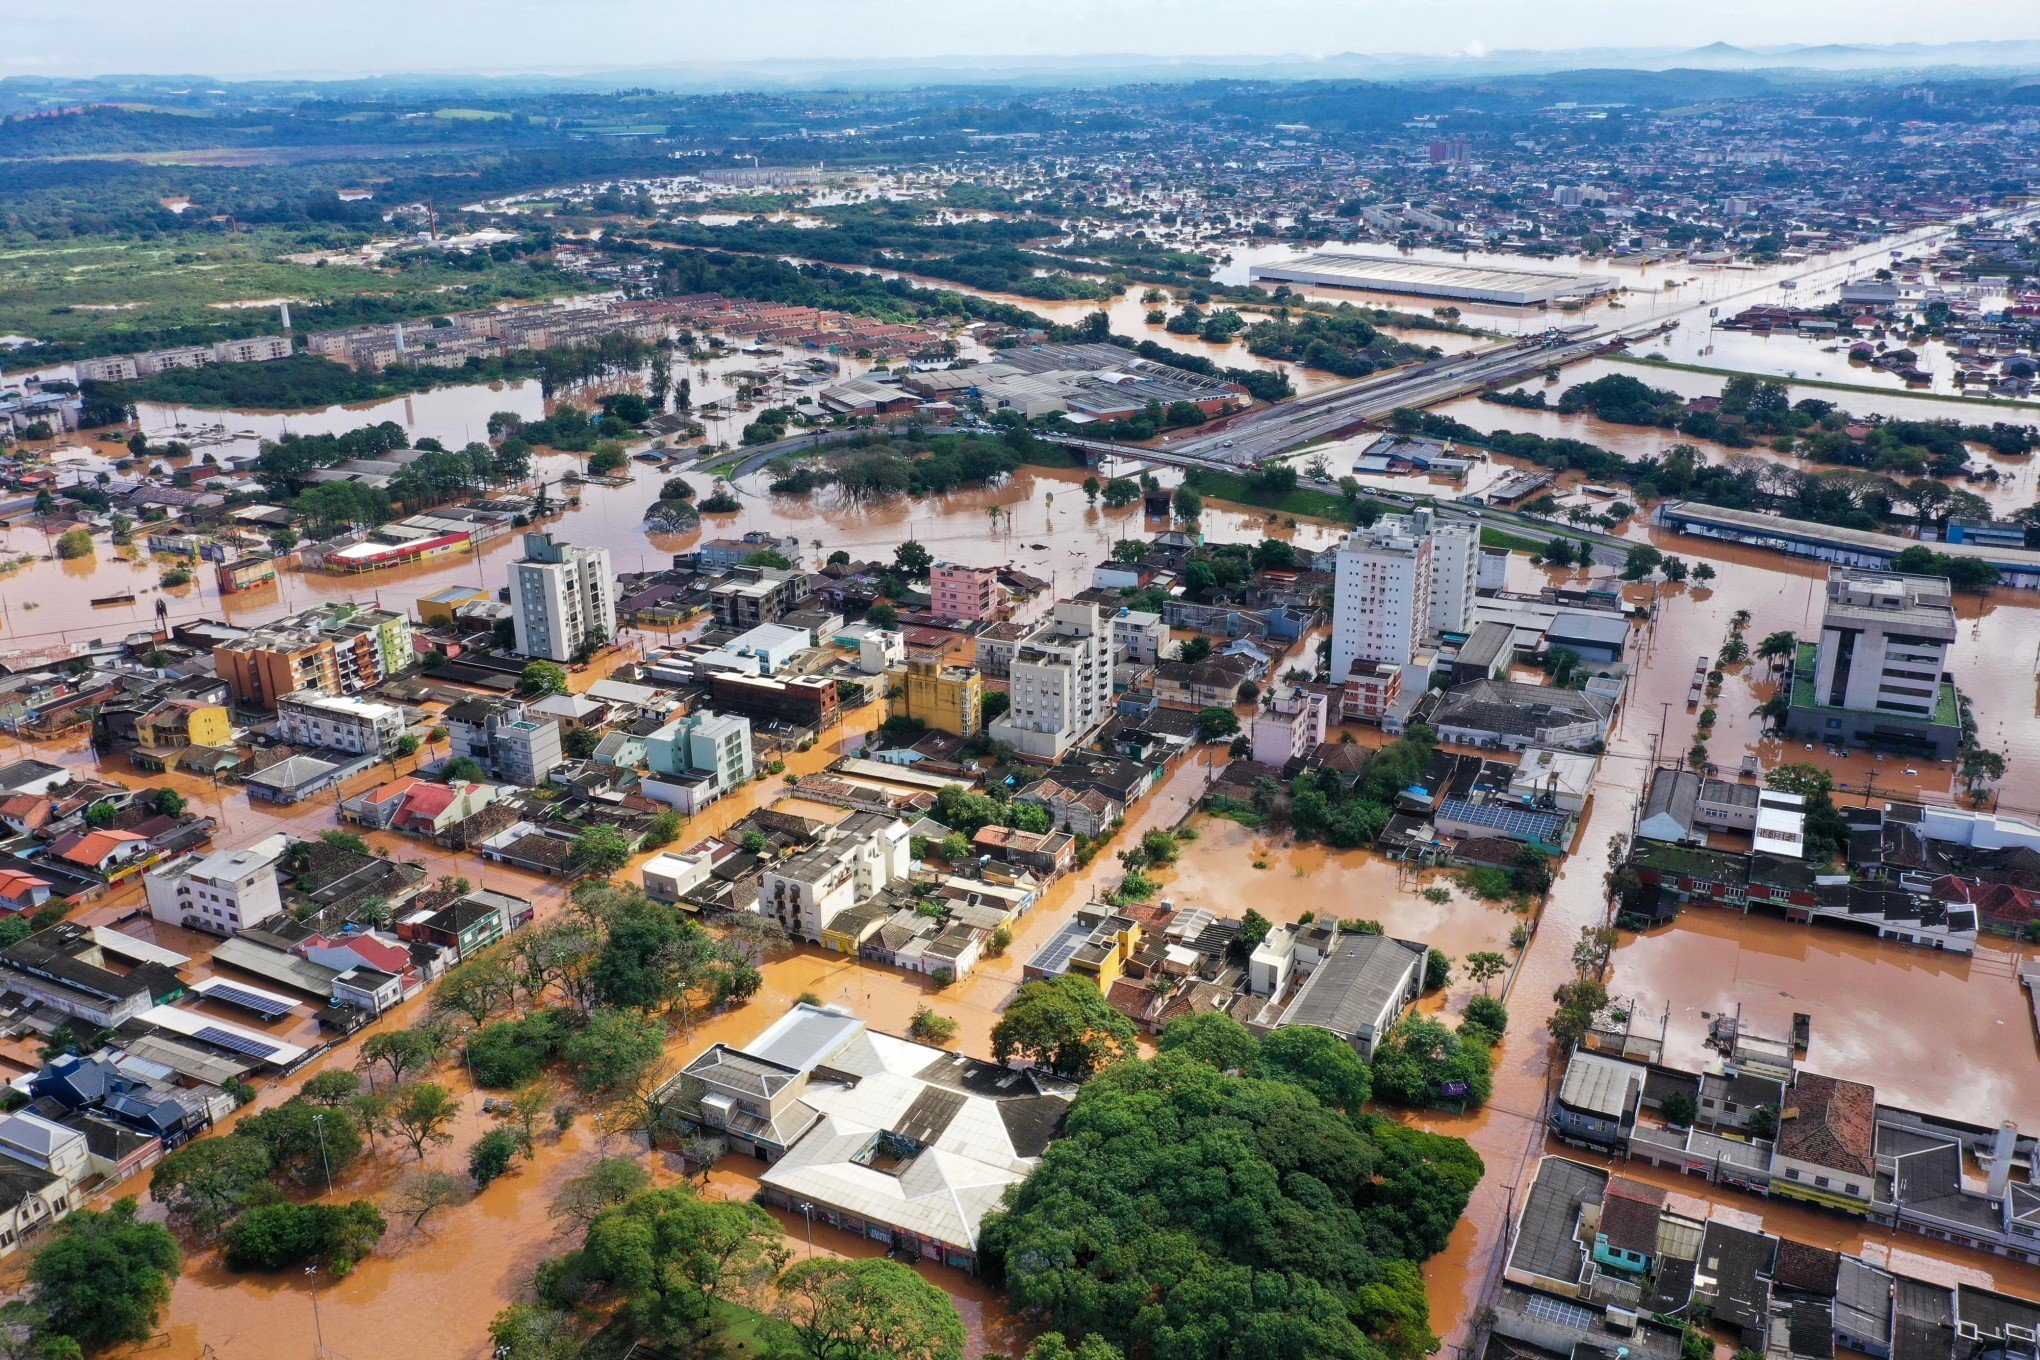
x=2012 y=489
x=1230 y=867
x=472 y=1259
x=1870 y=1002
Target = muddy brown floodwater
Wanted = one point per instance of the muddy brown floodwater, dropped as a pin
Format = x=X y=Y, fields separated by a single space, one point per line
x=431 y=1294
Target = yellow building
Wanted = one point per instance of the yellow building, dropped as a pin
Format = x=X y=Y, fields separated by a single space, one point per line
x=183 y=723
x=944 y=697
x=1095 y=943
x=436 y=610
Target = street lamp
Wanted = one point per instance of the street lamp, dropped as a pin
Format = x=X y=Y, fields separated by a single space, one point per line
x=318 y=1327
x=319 y=1123
x=807 y=1211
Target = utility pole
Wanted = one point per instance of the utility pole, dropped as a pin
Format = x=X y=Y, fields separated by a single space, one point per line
x=319 y=1123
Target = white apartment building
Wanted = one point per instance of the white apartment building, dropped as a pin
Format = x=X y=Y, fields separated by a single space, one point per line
x=221 y=893
x=1141 y=636
x=1290 y=724
x=697 y=759
x=1878 y=673
x=857 y=858
x=561 y=597
x=336 y=722
x=1403 y=581
x=1060 y=682
x=1381 y=599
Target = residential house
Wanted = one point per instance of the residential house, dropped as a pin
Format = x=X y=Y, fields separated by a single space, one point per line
x=222 y=893
x=1826 y=1146
x=1360 y=990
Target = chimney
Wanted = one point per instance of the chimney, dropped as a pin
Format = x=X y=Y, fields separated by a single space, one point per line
x=2001 y=1150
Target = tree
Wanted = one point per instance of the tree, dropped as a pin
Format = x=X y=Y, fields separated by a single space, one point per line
x=868 y=1308
x=1233 y=1214
x=1762 y=1123
x=208 y=1181
x=1437 y=970
x=1420 y=1062
x=930 y=1027
x=74 y=543
x=599 y=852
x=527 y=1332
x=913 y=559
x=608 y=1182
x=277 y=1236
x=674 y=1256
x=491 y=1155
x=612 y=1049
x=1778 y=646
x=306 y=1142
x=422 y=1193
x=331 y=1088
x=477 y=987
x=541 y=678
x=1211 y=1037
x=1120 y=493
x=1703 y=572
x=1579 y=1001
x=404 y=1051
x=104 y=1278
x=1641 y=562
x=1980 y=767
x=1092 y=486
x=1194 y=649
x=170 y=802
x=528 y=1105
x=512 y=1052
x=1484 y=966
x=1216 y=724
x=1064 y=1025
x=1808 y=781
x=463 y=770
x=1679 y=1110
x=1189 y=505
x=1488 y=1014
x=1317 y=1061
x=420 y=1115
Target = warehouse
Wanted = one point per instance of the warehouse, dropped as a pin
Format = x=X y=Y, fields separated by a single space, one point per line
x=1459 y=282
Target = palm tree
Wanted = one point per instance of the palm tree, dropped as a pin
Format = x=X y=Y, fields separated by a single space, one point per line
x=1777 y=647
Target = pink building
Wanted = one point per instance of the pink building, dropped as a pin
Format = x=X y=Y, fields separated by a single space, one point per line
x=965 y=594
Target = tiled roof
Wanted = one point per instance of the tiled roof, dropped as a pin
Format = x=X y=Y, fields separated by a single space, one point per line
x=1830 y=1122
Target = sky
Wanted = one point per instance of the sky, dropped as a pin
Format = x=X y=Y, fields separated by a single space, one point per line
x=231 y=38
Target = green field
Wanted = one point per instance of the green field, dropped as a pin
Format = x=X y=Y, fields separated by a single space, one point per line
x=1231 y=486
x=84 y=298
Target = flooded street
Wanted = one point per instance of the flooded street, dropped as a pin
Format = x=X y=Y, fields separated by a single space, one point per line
x=1937 y=1033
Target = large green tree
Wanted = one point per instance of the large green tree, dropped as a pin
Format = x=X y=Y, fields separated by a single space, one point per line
x=1064 y=1025
x=1193 y=1214
x=673 y=1256
x=208 y=1181
x=868 y=1310
x=103 y=1278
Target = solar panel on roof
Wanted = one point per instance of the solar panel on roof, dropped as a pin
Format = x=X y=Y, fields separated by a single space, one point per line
x=1547 y=1309
x=239 y=1043
x=267 y=1007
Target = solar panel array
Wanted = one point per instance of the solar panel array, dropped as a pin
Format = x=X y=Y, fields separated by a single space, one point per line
x=238 y=1043
x=268 y=1007
x=1545 y=1308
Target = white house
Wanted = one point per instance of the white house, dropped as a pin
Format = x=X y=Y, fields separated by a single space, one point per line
x=221 y=893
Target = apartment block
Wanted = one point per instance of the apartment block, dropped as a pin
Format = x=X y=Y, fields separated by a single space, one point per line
x=338 y=649
x=221 y=893
x=338 y=722
x=693 y=761
x=1060 y=682
x=855 y=860
x=1291 y=724
x=562 y=598
x=1141 y=637
x=755 y=595
x=1878 y=675
x=944 y=697
x=960 y=594
x=1405 y=579
x=501 y=734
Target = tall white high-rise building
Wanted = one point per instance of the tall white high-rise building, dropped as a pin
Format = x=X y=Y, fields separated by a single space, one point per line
x=1400 y=581
x=561 y=597
x=1060 y=683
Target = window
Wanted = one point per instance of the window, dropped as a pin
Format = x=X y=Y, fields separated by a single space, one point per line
x=1821 y=1181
